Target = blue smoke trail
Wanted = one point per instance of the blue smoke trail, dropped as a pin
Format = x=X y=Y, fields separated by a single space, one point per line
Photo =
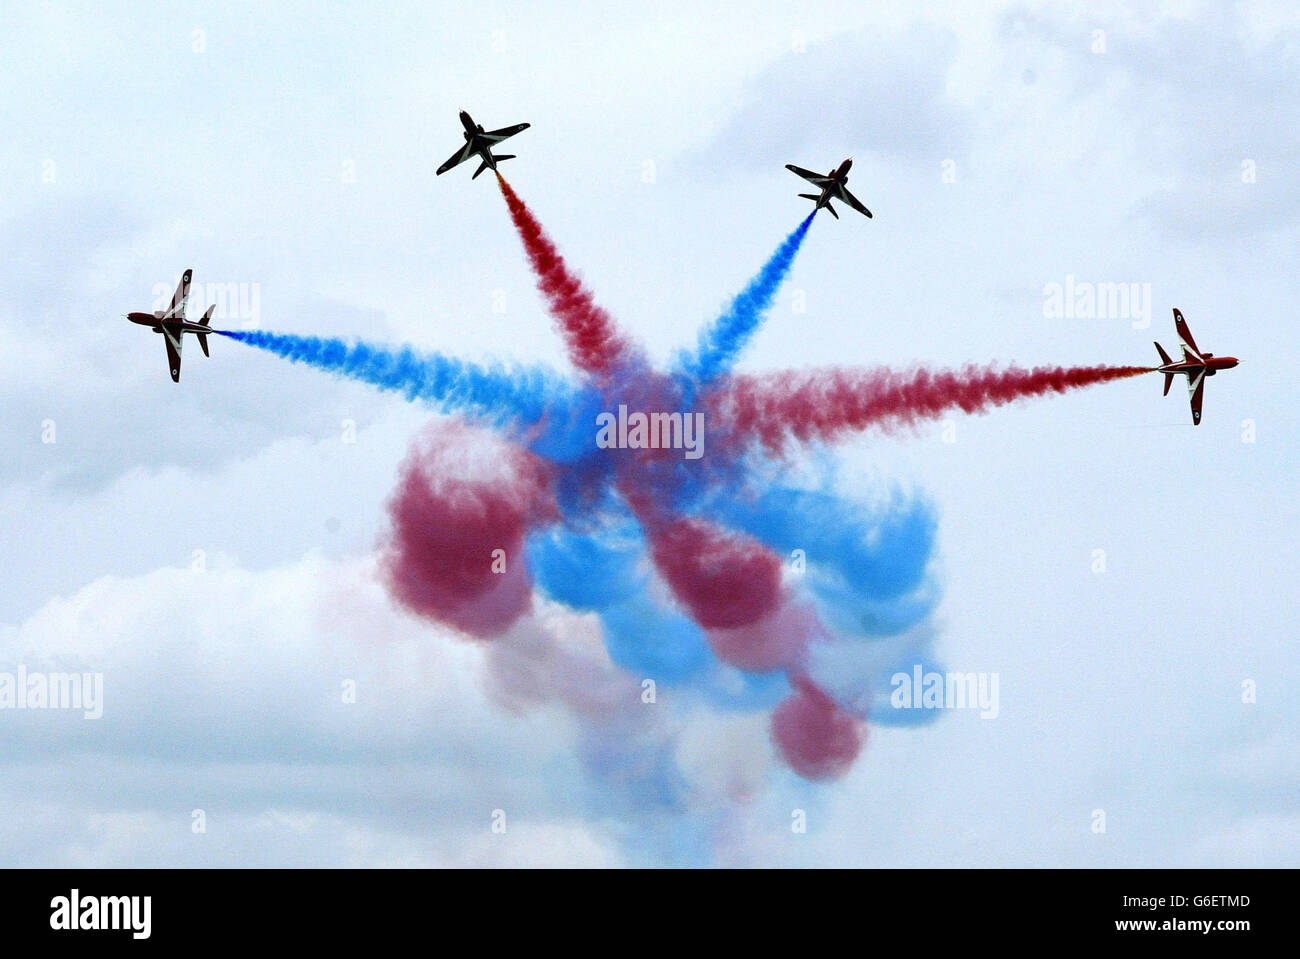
x=721 y=342
x=496 y=393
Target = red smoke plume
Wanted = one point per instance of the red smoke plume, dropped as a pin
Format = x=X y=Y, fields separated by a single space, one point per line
x=449 y=517
x=594 y=344
x=725 y=579
x=817 y=739
x=823 y=404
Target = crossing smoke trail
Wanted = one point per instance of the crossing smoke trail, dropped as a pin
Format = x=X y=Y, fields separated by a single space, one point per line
x=825 y=404
x=687 y=565
x=720 y=344
x=594 y=344
x=731 y=606
x=497 y=394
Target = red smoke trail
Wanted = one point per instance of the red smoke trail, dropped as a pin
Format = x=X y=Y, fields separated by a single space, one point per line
x=822 y=405
x=595 y=346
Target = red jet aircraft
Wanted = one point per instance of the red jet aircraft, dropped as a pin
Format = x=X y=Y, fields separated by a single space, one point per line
x=1196 y=366
x=173 y=325
x=832 y=187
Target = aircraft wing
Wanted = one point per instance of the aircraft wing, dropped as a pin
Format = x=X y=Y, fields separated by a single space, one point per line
x=177 y=308
x=851 y=200
x=1196 y=391
x=460 y=156
x=1185 y=336
x=173 y=341
x=808 y=175
x=505 y=133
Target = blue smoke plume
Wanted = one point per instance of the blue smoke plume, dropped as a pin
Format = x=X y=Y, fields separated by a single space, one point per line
x=721 y=342
x=866 y=568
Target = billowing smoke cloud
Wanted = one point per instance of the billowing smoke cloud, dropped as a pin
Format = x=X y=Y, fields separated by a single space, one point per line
x=724 y=579
x=462 y=507
x=817 y=738
x=715 y=578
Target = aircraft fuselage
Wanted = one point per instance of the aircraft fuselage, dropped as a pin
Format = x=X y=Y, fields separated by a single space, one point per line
x=155 y=322
x=481 y=146
x=173 y=326
x=1211 y=365
x=1196 y=365
x=839 y=176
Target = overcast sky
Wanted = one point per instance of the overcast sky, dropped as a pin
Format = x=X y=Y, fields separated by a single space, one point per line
x=287 y=153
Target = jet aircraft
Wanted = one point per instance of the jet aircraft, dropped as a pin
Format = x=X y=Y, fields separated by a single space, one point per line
x=172 y=324
x=832 y=187
x=479 y=141
x=1195 y=365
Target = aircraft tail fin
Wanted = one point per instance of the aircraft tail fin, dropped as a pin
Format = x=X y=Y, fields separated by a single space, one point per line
x=817 y=199
x=1169 y=381
x=496 y=159
x=1164 y=357
x=203 y=337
